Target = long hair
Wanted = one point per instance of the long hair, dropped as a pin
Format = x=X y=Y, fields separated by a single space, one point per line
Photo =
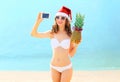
x=55 y=28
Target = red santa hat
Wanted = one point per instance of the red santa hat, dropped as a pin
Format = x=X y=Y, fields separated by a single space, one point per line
x=64 y=11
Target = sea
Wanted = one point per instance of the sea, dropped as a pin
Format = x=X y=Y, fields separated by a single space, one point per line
x=98 y=50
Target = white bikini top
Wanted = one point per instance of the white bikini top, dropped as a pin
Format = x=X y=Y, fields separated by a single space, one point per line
x=64 y=43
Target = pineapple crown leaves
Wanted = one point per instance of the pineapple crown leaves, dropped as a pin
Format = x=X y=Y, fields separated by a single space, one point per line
x=79 y=21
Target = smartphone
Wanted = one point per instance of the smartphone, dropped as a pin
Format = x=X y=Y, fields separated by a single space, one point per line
x=45 y=15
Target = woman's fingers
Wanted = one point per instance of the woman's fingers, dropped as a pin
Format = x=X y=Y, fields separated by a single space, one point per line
x=39 y=18
x=40 y=15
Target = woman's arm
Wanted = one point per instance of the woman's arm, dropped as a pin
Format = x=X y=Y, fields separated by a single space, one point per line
x=72 y=49
x=74 y=46
x=34 y=32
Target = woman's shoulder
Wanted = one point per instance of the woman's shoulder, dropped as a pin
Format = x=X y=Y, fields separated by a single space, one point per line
x=51 y=34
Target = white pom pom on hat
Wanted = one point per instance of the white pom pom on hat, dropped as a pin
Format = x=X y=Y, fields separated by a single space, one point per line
x=64 y=11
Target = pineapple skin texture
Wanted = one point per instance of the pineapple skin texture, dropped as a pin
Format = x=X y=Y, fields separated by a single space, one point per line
x=76 y=37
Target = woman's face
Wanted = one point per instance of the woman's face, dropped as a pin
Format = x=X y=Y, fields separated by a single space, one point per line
x=60 y=20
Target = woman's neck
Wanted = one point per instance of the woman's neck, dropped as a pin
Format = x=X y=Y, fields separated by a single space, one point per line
x=61 y=28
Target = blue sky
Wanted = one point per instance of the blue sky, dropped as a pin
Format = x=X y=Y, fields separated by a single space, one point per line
x=100 y=31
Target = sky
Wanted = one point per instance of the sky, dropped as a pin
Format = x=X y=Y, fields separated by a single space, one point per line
x=100 y=31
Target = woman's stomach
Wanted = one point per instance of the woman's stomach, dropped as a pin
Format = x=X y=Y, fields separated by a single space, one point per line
x=60 y=57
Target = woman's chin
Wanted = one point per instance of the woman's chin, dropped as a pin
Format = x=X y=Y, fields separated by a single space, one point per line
x=60 y=24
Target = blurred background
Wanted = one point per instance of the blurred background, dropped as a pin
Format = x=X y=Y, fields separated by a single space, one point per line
x=99 y=49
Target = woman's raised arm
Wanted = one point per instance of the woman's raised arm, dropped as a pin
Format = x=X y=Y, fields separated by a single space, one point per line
x=37 y=34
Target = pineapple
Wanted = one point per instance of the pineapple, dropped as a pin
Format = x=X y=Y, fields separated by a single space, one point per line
x=79 y=22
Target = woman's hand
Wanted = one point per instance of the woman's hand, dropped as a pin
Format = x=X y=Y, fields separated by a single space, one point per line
x=76 y=45
x=39 y=17
x=72 y=49
x=37 y=34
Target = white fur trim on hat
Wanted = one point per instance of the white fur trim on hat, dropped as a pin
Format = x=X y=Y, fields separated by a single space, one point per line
x=61 y=14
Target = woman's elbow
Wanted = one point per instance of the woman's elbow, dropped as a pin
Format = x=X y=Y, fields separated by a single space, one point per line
x=33 y=34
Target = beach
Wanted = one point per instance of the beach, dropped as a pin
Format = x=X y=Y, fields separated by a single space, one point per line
x=44 y=76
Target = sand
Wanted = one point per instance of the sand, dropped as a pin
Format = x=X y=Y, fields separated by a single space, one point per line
x=44 y=76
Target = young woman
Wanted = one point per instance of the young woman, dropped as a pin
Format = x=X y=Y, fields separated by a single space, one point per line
x=60 y=34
